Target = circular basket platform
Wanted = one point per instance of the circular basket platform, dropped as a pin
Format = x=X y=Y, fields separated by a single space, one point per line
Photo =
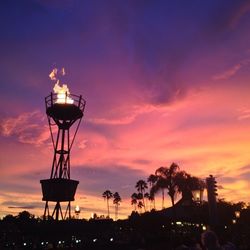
x=64 y=111
x=59 y=189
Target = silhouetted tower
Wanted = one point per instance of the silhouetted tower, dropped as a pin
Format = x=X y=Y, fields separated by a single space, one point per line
x=212 y=203
x=62 y=112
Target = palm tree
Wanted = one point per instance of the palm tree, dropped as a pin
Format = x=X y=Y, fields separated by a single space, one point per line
x=168 y=180
x=116 y=201
x=159 y=183
x=140 y=206
x=147 y=196
x=152 y=179
x=151 y=198
x=134 y=198
x=107 y=195
x=141 y=186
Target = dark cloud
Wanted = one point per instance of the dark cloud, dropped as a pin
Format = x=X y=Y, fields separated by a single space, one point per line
x=142 y=161
x=245 y=176
x=22 y=205
x=247 y=167
x=227 y=179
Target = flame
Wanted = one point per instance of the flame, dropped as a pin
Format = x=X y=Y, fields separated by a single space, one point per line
x=63 y=94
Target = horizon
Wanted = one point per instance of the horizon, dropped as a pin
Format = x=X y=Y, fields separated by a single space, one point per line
x=164 y=82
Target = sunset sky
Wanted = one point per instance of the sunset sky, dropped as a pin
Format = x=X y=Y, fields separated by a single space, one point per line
x=165 y=81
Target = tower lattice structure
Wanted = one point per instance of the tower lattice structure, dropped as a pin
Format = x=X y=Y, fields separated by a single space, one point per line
x=62 y=117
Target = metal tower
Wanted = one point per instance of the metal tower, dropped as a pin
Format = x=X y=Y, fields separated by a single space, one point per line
x=62 y=114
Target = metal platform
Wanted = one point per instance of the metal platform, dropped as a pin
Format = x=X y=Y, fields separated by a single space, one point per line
x=59 y=189
x=65 y=111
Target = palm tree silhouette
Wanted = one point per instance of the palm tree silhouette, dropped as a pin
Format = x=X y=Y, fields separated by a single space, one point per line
x=152 y=179
x=159 y=183
x=141 y=186
x=147 y=197
x=140 y=206
x=168 y=179
x=107 y=195
x=117 y=199
x=151 y=198
x=134 y=198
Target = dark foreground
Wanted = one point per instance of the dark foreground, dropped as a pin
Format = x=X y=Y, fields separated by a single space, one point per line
x=150 y=231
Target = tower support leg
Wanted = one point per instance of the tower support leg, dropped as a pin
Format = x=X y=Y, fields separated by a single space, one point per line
x=46 y=211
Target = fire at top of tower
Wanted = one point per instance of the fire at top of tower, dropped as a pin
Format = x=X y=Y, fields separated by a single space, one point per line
x=61 y=105
x=63 y=94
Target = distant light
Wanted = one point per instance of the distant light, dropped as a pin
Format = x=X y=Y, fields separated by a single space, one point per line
x=178 y=223
x=24 y=243
x=204 y=228
x=225 y=227
x=94 y=240
x=162 y=226
x=59 y=242
x=111 y=239
x=42 y=243
x=77 y=241
x=237 y=214
x=233 y=221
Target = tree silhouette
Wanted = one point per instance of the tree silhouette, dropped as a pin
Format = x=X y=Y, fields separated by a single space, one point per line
x=168 y=179
x=134 y=198
x=160 y=185
x=117 y=199
x=140 y=206
x=107 y=195
x=152 y=179
x=147 y=197
x=151 y=198
x=187 y=183
x=141 y=186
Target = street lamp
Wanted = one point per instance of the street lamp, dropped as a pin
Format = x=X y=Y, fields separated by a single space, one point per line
x=77 y=211
x=198 y=195
x=237 y=214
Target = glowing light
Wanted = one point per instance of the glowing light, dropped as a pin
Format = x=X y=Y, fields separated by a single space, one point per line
x=63 y=94
x=237 y=214
x=77 y=209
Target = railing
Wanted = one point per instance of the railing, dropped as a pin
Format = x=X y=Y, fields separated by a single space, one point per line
x=78 y=101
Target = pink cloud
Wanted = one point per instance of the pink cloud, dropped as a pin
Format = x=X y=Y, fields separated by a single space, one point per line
x=27 y=128
x=228 y=73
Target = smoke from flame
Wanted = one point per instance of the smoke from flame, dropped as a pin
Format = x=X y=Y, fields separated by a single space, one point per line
x=61 y=91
